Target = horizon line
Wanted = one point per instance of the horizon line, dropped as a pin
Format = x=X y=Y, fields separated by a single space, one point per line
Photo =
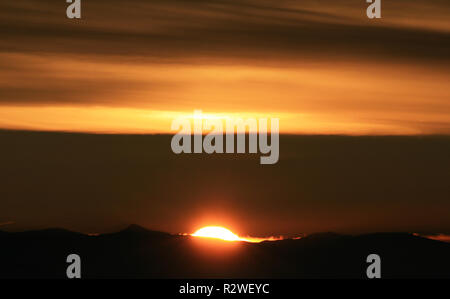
x=118 y=133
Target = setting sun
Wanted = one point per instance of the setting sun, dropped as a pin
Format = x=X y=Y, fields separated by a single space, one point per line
x=216 y=232
x=222 y=233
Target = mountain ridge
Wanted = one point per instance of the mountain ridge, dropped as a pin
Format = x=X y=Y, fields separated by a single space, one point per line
x=136 y=252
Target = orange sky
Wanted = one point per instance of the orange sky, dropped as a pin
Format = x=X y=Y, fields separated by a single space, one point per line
x=319 y=98
x=322 y=69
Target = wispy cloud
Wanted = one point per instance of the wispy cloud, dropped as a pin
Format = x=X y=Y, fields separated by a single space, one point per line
x=325 y=61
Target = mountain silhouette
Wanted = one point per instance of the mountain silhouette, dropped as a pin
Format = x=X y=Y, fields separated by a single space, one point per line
x=139 y=231
x=137 y=252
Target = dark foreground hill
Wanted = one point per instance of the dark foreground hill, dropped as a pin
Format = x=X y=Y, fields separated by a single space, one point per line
x=140 y=253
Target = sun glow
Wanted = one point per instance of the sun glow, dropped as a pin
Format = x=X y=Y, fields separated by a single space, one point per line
x=218 y=232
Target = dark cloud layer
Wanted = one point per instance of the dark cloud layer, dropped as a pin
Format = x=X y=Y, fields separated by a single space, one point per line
x=183 y=29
